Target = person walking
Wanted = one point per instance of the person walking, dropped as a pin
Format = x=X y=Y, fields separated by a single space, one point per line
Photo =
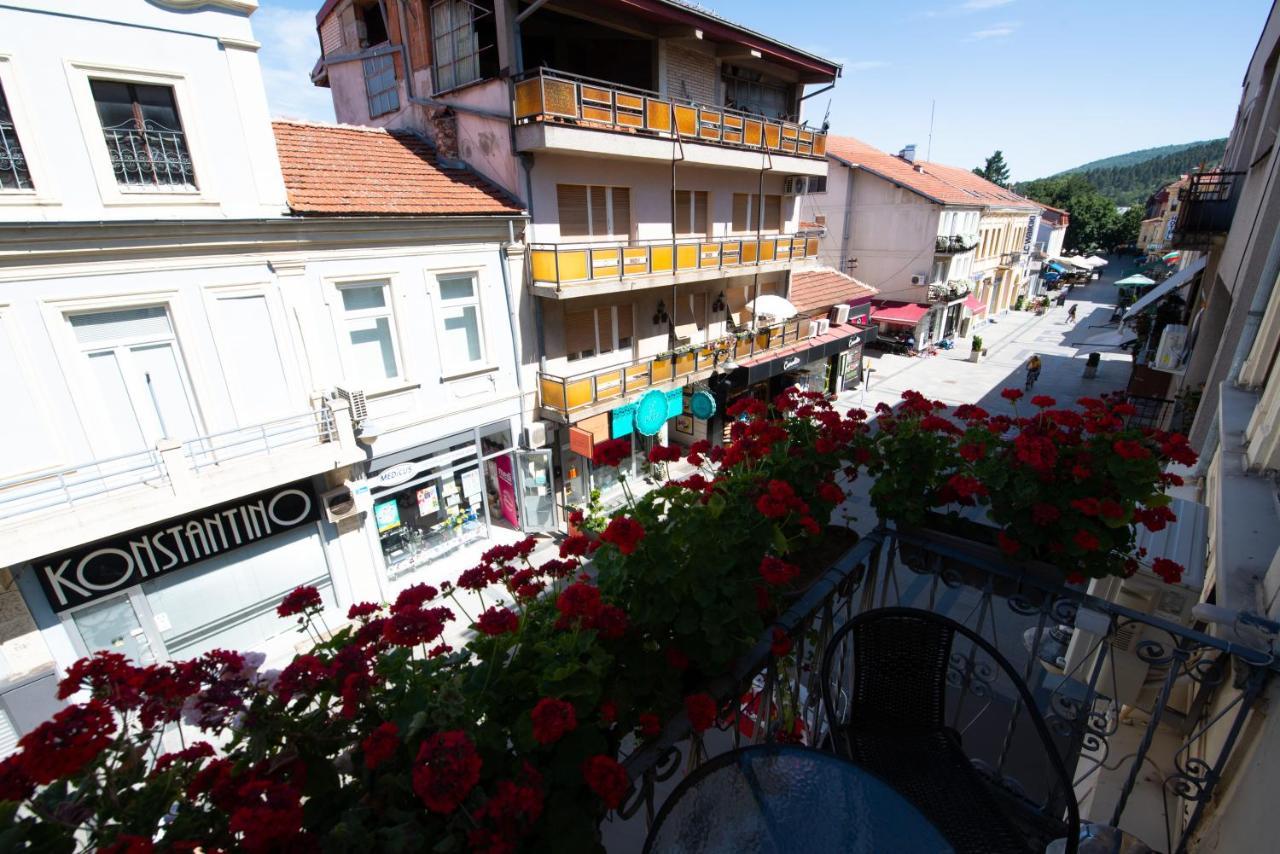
x=1071 y=312
x=1033 y=371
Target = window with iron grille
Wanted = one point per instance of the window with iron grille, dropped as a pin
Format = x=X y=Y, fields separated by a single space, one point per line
x=463 y=39
x=380 y=84
x=145 y=140
x=14 y=174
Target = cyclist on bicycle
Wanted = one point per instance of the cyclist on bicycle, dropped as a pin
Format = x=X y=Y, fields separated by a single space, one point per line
x=1033 y=371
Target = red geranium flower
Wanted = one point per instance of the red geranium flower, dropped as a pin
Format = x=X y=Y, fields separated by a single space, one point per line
x=650 y=726
x=776 y=571
x=810 y=525
x=1111 y=509
x=381 y=744
x=831 y=493
x=664 y=453
x=1088 y=506
x=1007 y=544
x=624 y=532
x=447 y=769
x=1011 y=394
x=1043 y=401
x=362 y=609
x=607 y=779
x=781 y=644
x=611 y=452
x=1169 y=570
x=62 y=746
x=611 y=622
x=578 y=601
x=608 y=711
x=410 y=628
x=1086 y=540
x=1045 y=514
x=552 y=718
x=414 y=597
x=972 y=452
x=300 y=600
x=702 y=712
x=1130 y=449
x=498 y=621
x=575 y=546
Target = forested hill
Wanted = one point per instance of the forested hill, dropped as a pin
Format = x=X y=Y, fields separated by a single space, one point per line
x=1127 y=179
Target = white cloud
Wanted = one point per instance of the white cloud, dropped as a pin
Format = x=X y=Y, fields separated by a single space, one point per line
x=289 y=51
x=998 y=31
x=979 y=5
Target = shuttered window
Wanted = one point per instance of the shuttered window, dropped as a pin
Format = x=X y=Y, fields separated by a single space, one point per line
x=742 y=213
x=691 y=213
x=598 y=330
x=773 y=213
x=691 y=315
x=580 y=334
x=594 y=211
x=746 y=212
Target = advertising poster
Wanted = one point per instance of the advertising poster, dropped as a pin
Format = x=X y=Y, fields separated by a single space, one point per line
x=507 y=490
x=387 y=515
x=428 y=501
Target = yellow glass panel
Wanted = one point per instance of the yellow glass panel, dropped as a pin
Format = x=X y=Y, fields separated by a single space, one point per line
x=657 y=115
x=790 y=132
x=686 y=257
x=551 y=392
x=631 y=102
x=731 y=252
x=784 y=248
x=608 y=385
x=743 y=349
x=733 y=137
x=594 y=93
x=811 y=248
x=528 y=98
x=767 y=250
x=710 y=254
x=748 y=252
x=751 y=134
x=635 y=261
x=806 y=136
x=685 y=363
x=686 y=120
x=559 y=98
x=734 y=122
x=542 y=263
x=637 y=377
x=762 y=340
x=605 y=262
x=660 y=259
x=706 y=358
x=631 y=120
x=573 y=265
x=820 y=145
x=661 y=370
x=772 y=134
x=579 y=393
x=596 y=114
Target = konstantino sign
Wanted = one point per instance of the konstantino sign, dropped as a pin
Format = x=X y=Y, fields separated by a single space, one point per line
x=99 y=569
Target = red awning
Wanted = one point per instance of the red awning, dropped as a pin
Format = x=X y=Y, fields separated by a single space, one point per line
x=908 y=314
x=974 y=304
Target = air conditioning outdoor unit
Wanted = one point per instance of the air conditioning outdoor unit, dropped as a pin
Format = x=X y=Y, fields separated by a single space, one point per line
x=535 y=435
x=918 y=279
x=356 y=400
x=1173 y=340
x=818 y=327
x=346 y=501
x=795 y=185
x=839 y=314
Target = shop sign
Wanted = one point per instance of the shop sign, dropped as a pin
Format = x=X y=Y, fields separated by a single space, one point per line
x=651 y=413
x=507 y=489
x=793 y=362
x=105 y=567
x=582 y=442
x=395 y=475
x=702 y=404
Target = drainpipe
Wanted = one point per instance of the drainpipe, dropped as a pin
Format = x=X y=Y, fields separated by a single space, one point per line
x=514 y=315
x=766 y=165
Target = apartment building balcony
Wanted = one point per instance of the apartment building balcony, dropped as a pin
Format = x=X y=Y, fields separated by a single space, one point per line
x=574 y=395
x=563 y=270
x=48 y=511
x=559 y=112
x=954 y=244
x=948 y=291
x=1207 y=206
x=1012 y=259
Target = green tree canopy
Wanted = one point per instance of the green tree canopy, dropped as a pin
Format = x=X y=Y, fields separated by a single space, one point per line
x=995 y=169
x=1095 y=222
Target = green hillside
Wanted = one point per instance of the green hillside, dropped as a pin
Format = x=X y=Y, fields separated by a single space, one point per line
x=1134 y=157
x=1132 y=177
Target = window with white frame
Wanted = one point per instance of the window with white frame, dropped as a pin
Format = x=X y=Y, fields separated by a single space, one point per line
x=369 y=336
x=144 y=135
x=14 y=172
x=461 y=329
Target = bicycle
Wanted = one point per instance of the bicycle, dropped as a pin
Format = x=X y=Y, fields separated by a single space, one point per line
x=1032 y=376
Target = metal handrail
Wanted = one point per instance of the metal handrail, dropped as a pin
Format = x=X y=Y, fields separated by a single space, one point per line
x=62 y=486
x=638 y=110
x=315 y=424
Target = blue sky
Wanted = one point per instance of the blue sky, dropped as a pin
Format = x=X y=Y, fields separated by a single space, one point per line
x=1054 y=83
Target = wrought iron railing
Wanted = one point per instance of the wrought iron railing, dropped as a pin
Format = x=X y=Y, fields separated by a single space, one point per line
x=543 y=94
x=149 y=155
x=569 y=394
x=14 y=172
x=1011 y=259
x=1206 y=207
x=947 y=244
x=563 y=264
x=1190 y=686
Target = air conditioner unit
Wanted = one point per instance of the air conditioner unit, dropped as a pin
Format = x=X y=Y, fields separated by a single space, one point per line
x=1126 y=676
x=918 y=279
x=535 y=435
x=818 y=327
x=1173 y=341
x=346 y=501
x=795 y=185
x=356 y=400
x=839 y=314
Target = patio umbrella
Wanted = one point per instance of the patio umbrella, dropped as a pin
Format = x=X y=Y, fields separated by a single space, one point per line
x=1135 y=281
x=1098 y=261
x=1171 y=256
x=772 y=305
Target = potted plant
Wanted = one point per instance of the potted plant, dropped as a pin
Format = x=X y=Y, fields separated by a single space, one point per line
x=976 y=350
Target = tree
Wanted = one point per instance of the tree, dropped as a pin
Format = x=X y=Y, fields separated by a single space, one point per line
x=996 y=170
x=1095 y=224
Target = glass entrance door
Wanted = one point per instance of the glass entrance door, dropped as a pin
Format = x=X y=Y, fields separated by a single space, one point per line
x=537 y=493
x=113 y=625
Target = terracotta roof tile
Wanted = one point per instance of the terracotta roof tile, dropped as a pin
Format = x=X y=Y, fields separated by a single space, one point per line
x=948 y=185
x=818 y=289
x=341 y=169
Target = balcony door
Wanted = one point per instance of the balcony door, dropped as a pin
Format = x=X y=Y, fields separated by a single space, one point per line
x=137 y=372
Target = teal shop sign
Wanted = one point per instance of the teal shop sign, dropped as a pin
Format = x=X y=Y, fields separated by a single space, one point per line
x=623 y=421
x=702 y=405
x=651 y=412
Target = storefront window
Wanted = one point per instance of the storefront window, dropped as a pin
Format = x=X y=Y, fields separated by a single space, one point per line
x=432 y=516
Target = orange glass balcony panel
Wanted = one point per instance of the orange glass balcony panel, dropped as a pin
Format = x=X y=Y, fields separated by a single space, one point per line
x=657 y=115
x=820 y=145
x=597 y=114
x=551 y=392
x=596 y=95
x=687 y=256
x=629 y=102
x=559 y=98
x=579 y=393
x=660 y=259
x=637 y=377
x=708 y=124
x=605 y=263
x=542 y=263
x=749 y=251
x=811 y=248
x=685 y=363
x=753 y=132
x=762 y=340
x=768 y=250
x=743 y=348
x=772 y=135
x=731 y=253
x=782 y=250
x=635 y=260
x=529 y=98
x=608 y=385
x=709 y=254
x=686 y=120
x=573 y=265
x=660 y=370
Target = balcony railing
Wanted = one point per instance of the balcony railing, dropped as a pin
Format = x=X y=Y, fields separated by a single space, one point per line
x=565 y=264
x=1196 y=690
x=948 y=291
x=1011 y=259
x=543 y=95
x=1206 y=207
x=569 y=394
x=950 y=244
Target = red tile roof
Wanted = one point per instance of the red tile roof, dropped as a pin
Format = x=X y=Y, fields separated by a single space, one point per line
x=944 y=184
x=341 y=169
x=818 y=289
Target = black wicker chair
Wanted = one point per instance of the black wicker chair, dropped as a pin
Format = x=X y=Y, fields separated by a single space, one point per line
x=895 y=726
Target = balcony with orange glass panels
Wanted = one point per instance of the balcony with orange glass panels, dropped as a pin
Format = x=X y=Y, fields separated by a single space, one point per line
x=566 y=270
x=560 y=112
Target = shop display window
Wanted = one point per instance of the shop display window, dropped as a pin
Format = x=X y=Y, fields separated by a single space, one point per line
x=430 y=518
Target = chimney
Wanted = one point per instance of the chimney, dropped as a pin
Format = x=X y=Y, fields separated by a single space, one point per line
x=908 y=153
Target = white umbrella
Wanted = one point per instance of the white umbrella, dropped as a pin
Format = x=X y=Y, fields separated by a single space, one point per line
x=1098 y=261
x=772 y=305
x=1111 y=338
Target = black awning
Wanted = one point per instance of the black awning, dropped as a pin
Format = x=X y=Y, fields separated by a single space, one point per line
x=752 y=374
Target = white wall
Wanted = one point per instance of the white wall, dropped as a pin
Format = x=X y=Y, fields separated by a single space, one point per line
x=892 y=236
x=48 y=52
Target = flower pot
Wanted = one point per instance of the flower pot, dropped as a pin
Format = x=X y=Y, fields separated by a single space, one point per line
x=975 y=355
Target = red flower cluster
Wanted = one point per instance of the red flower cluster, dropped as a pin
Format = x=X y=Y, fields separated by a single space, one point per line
x=381 y=744
x=512 y=811
x=702 y=711
x=779 y=499
x=410 y=628
x=1011 y=394
x=777 y=572
x=1170 y=571
x=650 y=726
x=62 y=746
x=552 y=718
x=611 y=452
x=446 y=770
x=623 y=532
x=302 y=600
x=831 y=493
x=781 y=642
x=664 y=453
x=607 y=779
x=498 y=621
